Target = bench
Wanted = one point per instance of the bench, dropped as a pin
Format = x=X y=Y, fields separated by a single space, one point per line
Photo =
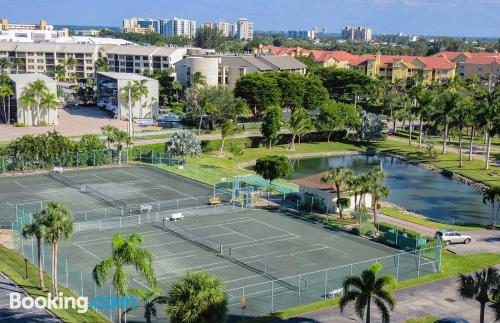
x=146 y=208
x=58 y=170
x=214 y=201
x=335 y=292
x=176 y=216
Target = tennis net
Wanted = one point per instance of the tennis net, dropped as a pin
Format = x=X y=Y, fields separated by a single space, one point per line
x=192 y=237
x=105 y=198
x=65 y=180
x=284 y=279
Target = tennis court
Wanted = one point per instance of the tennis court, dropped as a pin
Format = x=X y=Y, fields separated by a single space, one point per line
x=265 y=259
x=94 y=194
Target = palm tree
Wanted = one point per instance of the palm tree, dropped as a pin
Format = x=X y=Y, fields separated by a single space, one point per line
x=38 y=90
x=126 y=251
x=5 y=63
x=462 y=116
x=101 y=65
x=108 y=131
x=37 y=229
x=6 y=92
x=150 y=297
x=479 y=286
x=26 y=101
x=355 y=185
x=58 y=222
x=121 y=137
x=338 y=175
x=141 y=90
x=425 y=100
x=227 y=128
x=176 y=86
x=49 y=102
x=197 y=297
x=199 y=79
x=71 y=63
x=448 y=101
x=377 y=191
x=367 y=287
x=492 y=195
x=300 y=123
x=489 y=102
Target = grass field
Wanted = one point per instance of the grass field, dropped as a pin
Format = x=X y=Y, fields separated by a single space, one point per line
x=12 y=264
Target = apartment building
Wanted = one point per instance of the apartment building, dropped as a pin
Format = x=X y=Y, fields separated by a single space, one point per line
x=228 y=29
x=301 y=34
x=43 y=58
x=481 y=65
x=141 y=25
x=181 y=27
x=167 y=27
x=24 y=114
x=225 y=70
x=5 y=25
x=356 y=33
x=337 y=58
x=245 y=29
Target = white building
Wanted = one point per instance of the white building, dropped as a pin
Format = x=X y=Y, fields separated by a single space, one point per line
x=245 y=29
x=26 y=115
x=110 y=95
x=181 y=27
x=356 y=33
x=228 y=29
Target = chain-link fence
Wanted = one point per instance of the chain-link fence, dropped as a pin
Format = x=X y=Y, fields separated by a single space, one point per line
x=276 y=295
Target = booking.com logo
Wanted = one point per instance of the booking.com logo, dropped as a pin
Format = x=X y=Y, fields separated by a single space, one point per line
x=80 y=303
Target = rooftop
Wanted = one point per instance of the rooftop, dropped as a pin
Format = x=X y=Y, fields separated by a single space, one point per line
x=125 y=76
x=30 y=77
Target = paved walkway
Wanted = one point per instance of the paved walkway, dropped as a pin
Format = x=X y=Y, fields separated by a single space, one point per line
x=20 y=315
x=438 y=298
x=406 y=224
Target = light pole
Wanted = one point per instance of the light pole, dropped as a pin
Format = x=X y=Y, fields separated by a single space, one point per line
x=130 y=130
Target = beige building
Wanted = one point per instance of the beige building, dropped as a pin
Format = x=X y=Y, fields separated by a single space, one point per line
x=5 y=25
x=227 y=69
x=28 y=116
x=244 y=29
x=110 y=95
x=481 y=65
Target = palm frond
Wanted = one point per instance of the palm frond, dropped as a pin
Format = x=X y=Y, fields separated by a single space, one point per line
x=101 y=271
x=360 y=304
x=383 y=310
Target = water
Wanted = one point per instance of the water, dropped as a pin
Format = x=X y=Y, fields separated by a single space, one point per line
x=413 y=188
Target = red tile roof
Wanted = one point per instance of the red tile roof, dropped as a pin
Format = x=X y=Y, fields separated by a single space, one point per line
x=436 y=63
x=484 y=59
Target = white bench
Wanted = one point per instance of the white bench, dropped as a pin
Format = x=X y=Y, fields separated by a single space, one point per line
x=58 y=170
x=335 y=292
x=176 y=216
x=146 y=208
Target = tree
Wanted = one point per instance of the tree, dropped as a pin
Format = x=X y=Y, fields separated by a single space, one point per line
x=126 y=251
x=462 y=116
x=273 y=167
x=337 y=116
x=150 y=298
x=339 y=176
x=197 y=298
x=49 y=102
x=366 y=288
x=492 y=195
x=355 y=184
x=199 y=79
x=361 y=215
x=5 y=63
x=101 y=65
x=108 y=131
x=209 y=37
x=271 y=124
x=447 y=102
x=227 y=128
x=489 y=102
x=342 y=83
x=183 y=144
x=129 y=93
x=479 y=286
x=37 y=229
x=292 y=89
x=84 y=93
x=60 y=72
x=377 y=190
x=6 y=92
x=315 y=93
x=425 y=99
x=141 y=90
x=58 y=222
x=121 y=138
x=300 y=123
x=372 y=127
x=34 y=92
x=71 y=63
x=259 y=91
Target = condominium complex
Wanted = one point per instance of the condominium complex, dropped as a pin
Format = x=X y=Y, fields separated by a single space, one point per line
x=356 y=33
x=29 y=32
x=5 y=25
x=481 y=65
x=244 y=29
x=167 y=27
x=227 y=69
x=301 y=34
x=228 y=29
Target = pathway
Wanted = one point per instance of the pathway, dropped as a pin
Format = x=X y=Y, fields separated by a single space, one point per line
x=409 y=225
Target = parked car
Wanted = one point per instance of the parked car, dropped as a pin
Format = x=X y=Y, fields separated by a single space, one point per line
x=452 y=320
x=450 y=237
x=168 y=121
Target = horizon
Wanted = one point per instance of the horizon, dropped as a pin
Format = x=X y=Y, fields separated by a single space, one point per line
x=411 y=17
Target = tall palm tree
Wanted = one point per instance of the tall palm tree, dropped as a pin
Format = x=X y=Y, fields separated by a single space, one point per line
x=101 y=65
x=71 y=63
x=492 y=195
x=6 y=92
x=141 y=90
x=338 y=175
x=125 y=251
x=355 y=185
x=448 y=101
x=489 y=102
x=121 y=138
x=36 y=229
x=300 y=123
x=197 y=298
x=108 y=131
x=480 y=286
x=227 y=128
x=49 y=102
x=377 y=191
x=58 y=222
x=176 y=86
x=199 y=79
x=26 y=101
x=38 y=89
x=5 y=63
x=425 y=99
x=462 y=116
x=364 y=289
x=150 y=298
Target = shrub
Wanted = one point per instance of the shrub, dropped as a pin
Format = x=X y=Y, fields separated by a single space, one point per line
x=345 y=202
x=19 y=124
x=43 y=123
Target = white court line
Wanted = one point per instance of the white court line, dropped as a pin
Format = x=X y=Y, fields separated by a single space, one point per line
x=87 y=251
x=241 y=234
x=23 y=186
x=272 y=226
x=174 y=254
x=130 y=174
x=267 y=242
x=234 y=280
x=170 y=188
x=299 y=252
x=96 y=239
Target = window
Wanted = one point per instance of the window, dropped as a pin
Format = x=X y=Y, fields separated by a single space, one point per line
x=89 y=68
x=145 y=58
x=146 y=64
x=137 y=64
x=88 y=55
x=31 y=60
x=137 y=57
x=39 y=60
x=122 y=63
x=40 y=67
x=30 y=67
x=88 y=61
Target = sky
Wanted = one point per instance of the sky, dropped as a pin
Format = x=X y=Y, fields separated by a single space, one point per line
x=420 y=17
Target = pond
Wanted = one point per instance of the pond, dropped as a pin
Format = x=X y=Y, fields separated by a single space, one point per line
x=413 y=188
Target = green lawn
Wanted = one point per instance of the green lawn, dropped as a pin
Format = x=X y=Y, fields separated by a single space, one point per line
x=12 y=264
x=424 y=221
x=426 y=319
x=452 y=264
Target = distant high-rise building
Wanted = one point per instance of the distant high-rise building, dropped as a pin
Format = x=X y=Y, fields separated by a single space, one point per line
x=181 y=27
x=356 y=33
x=141 y=25
x=206 y=25
x=167 y=27
x=245 y=29
x=5 y=25
x=228 y=29
x=301 y=34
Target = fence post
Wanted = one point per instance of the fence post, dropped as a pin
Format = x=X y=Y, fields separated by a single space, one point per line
x=81 y=280
x=397 y=268
x=326 y=282
x=272 y=296
x=299 y=291
x=67 y=277
x=32 y=251
x=418 y=265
